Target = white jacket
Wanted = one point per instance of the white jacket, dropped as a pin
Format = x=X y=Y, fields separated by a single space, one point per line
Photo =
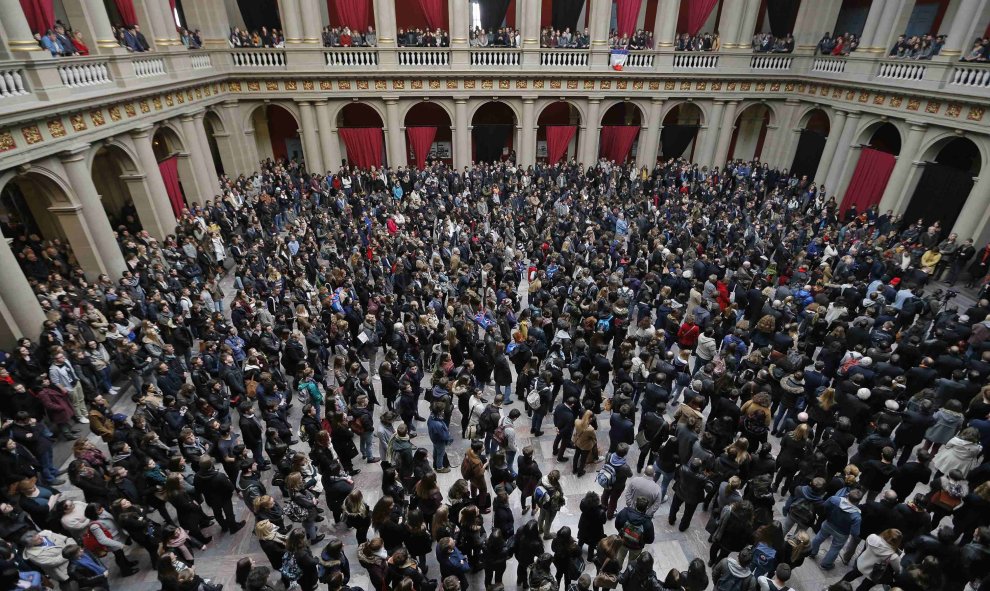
x=877 y=550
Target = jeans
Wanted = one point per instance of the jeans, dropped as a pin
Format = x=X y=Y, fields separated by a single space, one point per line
x=439 y=456
x=310 y=527
x=537 y=425
x=367 y=447
x=105 y=383
x=665 y=479
x=781 y=417
x=507 y=395
x=838 y=541
x=510 y=460
x=545 y=519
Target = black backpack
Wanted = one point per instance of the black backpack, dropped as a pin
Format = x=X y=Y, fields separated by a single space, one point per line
x=488 y=421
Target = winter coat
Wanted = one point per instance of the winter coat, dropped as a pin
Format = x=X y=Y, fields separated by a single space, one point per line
x=957 y=454
x=947 y=424
x=877 y=551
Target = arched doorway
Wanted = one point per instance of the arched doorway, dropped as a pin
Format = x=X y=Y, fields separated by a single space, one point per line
x=881 y=143
x=167 y=146
x=218 y=141
x=493 y=130
x=361 y=129
x=680 y=130
x=750 y=133
x=945 y=183
x=117 y=179
x=815 y=128
x=621 y=124
x=565 y=119
x=427 y=115
x=276 y=133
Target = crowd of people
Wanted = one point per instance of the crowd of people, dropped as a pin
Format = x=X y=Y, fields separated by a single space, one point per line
x=639 y=40
x=502 y=37
x=423 y=38
x=692 y=339
x=551 y=38
x=980 y=52
x=345 y=37
x=699 y=42
x=768 y=43
x=917 y=47
x=63 y=41
x=837 y=45
x=263 y=37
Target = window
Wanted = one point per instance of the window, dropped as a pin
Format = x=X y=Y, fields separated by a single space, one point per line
x=475 y=15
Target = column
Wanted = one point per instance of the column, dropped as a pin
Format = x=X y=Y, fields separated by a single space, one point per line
x=837 y=167
x=893 y=194
x=891 y=24
x=168 y=18
x=650 y=138
x=109 y=257
x=837 y=126
x=730 y=23
x=156 y=206
x=868 y=38
x=310 y=138
x=712 y=131
x=814 y=18
x=460 y=23
x=751 y=12
x=780 y=144
x=588 y=151
x=665 y=29
x=159 y=34
x=385 y=25
x=312 y=23
x=204 y=144
x=725 y=134
x=394 y=133
x=530 y=31
x=601 y=18
x=208 y=17
x=15 y=25
x=95 y=24
x=328 y=136
x=25 y=315
x=197 y=161
x=462 y=135
x=240 y=147
x=961 y=32
x=291 y=21
x=527 y=135
x=973 y=219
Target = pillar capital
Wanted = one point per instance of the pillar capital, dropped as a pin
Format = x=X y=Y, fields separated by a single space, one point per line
x=143 y=131
x=321 y=102
x=74 y=153
x=304 y=103
x=917 y=125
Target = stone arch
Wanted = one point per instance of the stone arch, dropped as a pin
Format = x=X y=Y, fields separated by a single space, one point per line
x=880 y=130
x=410 y=105
x=364 y=111
x=491 y=135
x=679 y=130
x=167 y=140
x=217 y=139
x=287 y=105
x=516 y=114
x=951 y=164
x=808 y=114
x=276 y=130
x=542 y=104
x=120 y=183
x=608 y=107
x=813 y=128
x=671 y=106
x=559 y=112
x=749 y=132
x=431 y=114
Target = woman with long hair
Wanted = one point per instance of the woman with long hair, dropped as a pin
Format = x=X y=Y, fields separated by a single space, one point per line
x=385 y=520
x=190 y=514
x=471 y=537
x=357 y=515
x=585 y=440
x=301 y=505
x=428 y=495
x=442 y=527
x=822 y=411
x=299 y=559
x=734 y=532
x=566 y=557
x=793 y=448
x=881 y=549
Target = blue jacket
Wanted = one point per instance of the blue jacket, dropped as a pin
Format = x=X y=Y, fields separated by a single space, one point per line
x=439 y=433
x=843 y=515
x=453 y=563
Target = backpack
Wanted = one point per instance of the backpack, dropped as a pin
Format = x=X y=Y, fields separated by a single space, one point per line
x=802 y=511
x=499 y=435
x=290 y=567
x=764 y=560
x=294 y=511
x=533 y=399
x=541 y=496
x=606 y=475
x=488 y=421
x=632 y=535
x=604 y=325
x=92 y=544
x=733 y=583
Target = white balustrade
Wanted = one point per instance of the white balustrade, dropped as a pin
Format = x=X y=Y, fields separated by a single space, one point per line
x=201 y=61
x=259 y=58
x=351 y=58
x=496 y=57
x=902 y=70
x=829 y=65
x=565 y=58
x=79 y=74
x=639 y=59
x=149 y=68
x=11 y=84
x=971 y=76
x=771 y=62
x=696 y=61
x=424 y=57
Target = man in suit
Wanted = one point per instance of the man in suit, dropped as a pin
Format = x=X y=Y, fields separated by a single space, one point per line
x=218 y=492
x=252 y=434
x=141 y=41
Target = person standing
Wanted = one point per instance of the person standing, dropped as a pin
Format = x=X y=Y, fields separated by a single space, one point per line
x=842 y=519
x=549 y=497
x=613 y=475
x=440 y=437
x=218 y=492
x=689 y=490
x=563 y=419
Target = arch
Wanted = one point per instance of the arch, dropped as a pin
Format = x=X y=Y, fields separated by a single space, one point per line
x=276 y=132
x=484 y=105
x=166 y=140
x=815 y=119
x=363 y=114
x=167 y=144
x=623 y=113
x=542 y=104
x=881 y=134
x=28 y=197
x=679 y=130
x=680 y=106
x=748 y=105
x=621 y=125
x=814 y=127
x=215 y=132
x=493 y=131
x=750 y=132
x=558 y=113
x=116 y=175
x=432 y=114
x=951 y=164
x=287 y=105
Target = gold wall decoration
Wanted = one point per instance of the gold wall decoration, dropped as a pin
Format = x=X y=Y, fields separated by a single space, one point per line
x=189 y=94
x=396 y=85
x=654 y=85
x=637 y=85
x=199 y=91
x=836 y=93
x=180 y=97
x=169 y=101
x=254 y=86
x=362 y=85
x=325 y=85
x=731 y=86
x=7 y=142
x=234 y=87
x=97 y=117
x=487 y=84
x=308 y=85
x=745 y=86
x=538 y=84
x=271 y=85
x=879 y=99
x=290 y=85
x=976 y=113
x=555 y=84
x=914 y=104
x=130 y=110
x=761 y=86
x=621 y=84
x=606 y=85
x=775 y=87
x=953 y=110
x=716 y=86
x=864 y=97
x=417 y=85
x=503 y=85
x=452 y=84
x=933 y=107
x=685 y=85
x=346 y=85
x=850 y=95
x=789 y=87
x=56 y=129
x=114 y=113
x=78 y=122
x=145 y=108
x=667 y=85
x=700 y=85
x=895 y=101
x=521 y=84
x=31 y=134
x=434 y=85
x=823 y=91
x=469 y=84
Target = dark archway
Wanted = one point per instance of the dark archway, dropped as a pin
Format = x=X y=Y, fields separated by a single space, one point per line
x=811 y=145
x=945 y=183
x=680 y=130
x=276 y=133
x=750 y=133
x=493 y=130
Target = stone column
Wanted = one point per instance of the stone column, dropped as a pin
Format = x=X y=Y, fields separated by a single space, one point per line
x=650 y=143
x=725 y=133
x=210 y=19
x=171 y=28
x=869 y=36
x=730 y=23
x=835 y=130
x=394 y=132
x=601 y=17
x=161 y=34
x=836 y=169
x=891 y=24
x=240 y=146
x=204 y=144
x=110 y=259
x=310 y=138
x=18 y=33
x=312 y=23
x=665 y=29
x=292 y=26
x=814 y=18
x=779 y=147
x=156 y=206
x=462 y=135
x=95 y=25
x=530 y=31
x=960 y=39
x=527 y=133
x=204 y=182
x=893 y=194
x=460 y=23
x=710 y=137
x=588 y=150
x=25 y=315
x=975 y=215
x=385 y=25
x=747 y=25
x=328 y=136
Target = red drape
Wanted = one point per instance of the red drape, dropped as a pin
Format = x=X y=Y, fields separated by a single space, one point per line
x=40 y=14
x=126 y=10
x=869 y=179
x=697 y=15
x=558 y=138
x=626 y=15
x=170 y=175
x=421 y=138
x=617 y=141
x=355 y=14
x=364 y=145
x=433 y=11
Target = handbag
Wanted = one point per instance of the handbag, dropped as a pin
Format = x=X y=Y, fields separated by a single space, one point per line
x=606 y=581
x=576 y=567
x=881 y=571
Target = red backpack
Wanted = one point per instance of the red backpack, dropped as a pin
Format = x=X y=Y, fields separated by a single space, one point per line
x=91 y=543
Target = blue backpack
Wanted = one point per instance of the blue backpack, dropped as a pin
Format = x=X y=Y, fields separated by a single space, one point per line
x=604 y=325
x=764 y=560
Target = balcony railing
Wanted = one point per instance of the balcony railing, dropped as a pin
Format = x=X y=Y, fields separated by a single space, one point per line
x=496 y=57
x=971 y=76
x=424 y=57
x=565 y=58
x=201 y=61
x=696 y=61
x=771 y=62
x=902 y=70
x=640 y=59
x=150 y=67
x=351 y=58
x=12 y=83
x=259 y=58
x=81 y=74
x=829 y=65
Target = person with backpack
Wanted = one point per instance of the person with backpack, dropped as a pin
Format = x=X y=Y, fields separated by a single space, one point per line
x=733 y=574
x=802 y=506
x=842 y=519
x=473 y=469
x=505 y=436
x=440 y=438
x=538 y=401
x=549 y=497
x=103 y=536
x=612 y=477
x=689 y=490
x=653 y=432
x=488 y=422
x=777 y=582
x=880 y=561
x=635 y=529
x=298 y=563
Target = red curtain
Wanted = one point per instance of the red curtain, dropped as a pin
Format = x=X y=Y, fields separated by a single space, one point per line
x=364 y=145
x=617 y=141
x=170 y=175
x=558 y=138
x=626 y=15
x=869 y=179
x=698 y=13
x=126 y=10
x=40 y=14
x=355 y=14
x=433 y=11
x=421 y=138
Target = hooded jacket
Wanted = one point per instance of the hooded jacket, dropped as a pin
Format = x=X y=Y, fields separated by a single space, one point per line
x=730 y=567
x=877 y=551
x=843 y=515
